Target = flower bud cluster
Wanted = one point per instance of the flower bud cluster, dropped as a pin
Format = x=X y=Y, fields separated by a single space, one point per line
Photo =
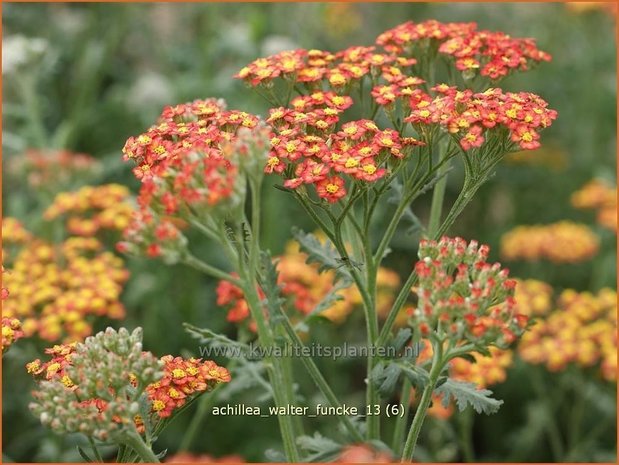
x=94 y=387
x=463 y=298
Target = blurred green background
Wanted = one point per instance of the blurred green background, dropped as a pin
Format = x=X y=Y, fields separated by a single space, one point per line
x=84 y=77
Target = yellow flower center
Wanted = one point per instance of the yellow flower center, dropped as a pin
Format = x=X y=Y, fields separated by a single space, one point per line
x=352 y=163
x=158 y=405
x=369 y=169
x=332 y=188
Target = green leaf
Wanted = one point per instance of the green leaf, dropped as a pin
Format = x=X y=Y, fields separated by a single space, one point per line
x=466 y=394
x=206 y=335
x=385 y=377
x=324 y=254
x=269 y=285
x=418 y=376
x=327 y=302
x=84 y=455
x=400 y=339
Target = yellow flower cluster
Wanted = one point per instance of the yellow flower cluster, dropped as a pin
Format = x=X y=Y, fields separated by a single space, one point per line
x=92 y=208
x=533 y=297
x=562 y=242
x=58 y=289
x=598 y=195
x=13 y=232
x=582 y=330
x=11 y=332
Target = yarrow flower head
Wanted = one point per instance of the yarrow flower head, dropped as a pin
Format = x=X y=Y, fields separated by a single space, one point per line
x=307 y=148
x=514 y=119
x=600 y=196
x=190 y=165
x=96 y=387
x=464 y=298
x=57 y=290
x=581 y=330
x=562 y=242
x=91 y=209
x=491 y=54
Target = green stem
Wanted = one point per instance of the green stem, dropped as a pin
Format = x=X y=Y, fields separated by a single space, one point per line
x=466 y=435
x=135 y=441
x=438 y=196
x=276 y=376
x=210 y=270
x=321 y=383
x=95 y=449
x=401 y=422
x=424 y=403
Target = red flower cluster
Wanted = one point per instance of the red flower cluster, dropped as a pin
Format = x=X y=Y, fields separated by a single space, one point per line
x=496 y=54
x=182 y=379
x=306 y=145
x=463 y=296
x=184 y=162
x=469 y=116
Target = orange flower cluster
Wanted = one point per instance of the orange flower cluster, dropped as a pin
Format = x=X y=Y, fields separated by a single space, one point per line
x=91 y=209
x=57 y=290
x=306 y=287
x=582 y=330
x=182 y=379
x=307 y=146
x=185 y=163
x=51 y=168
x=562 y=242
x=471 y=116
x=495 y=54
x=598 y=195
